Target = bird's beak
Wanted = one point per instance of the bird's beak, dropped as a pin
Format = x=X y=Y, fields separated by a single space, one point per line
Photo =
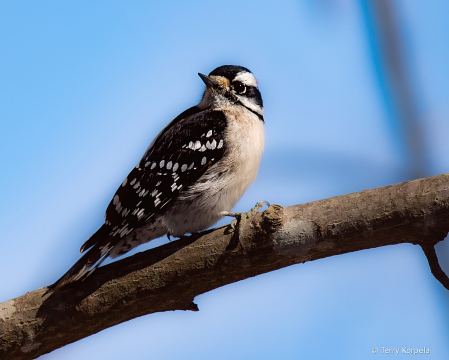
x=208 y=81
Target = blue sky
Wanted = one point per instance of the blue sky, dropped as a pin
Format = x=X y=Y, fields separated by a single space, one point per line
x=85 y=86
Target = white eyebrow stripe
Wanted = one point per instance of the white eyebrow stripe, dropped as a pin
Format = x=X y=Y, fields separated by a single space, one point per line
x=246 y=78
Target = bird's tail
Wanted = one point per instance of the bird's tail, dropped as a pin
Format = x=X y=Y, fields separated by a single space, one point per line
x=100 y=246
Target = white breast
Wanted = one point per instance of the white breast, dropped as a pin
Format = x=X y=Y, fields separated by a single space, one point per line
x=200 y=207
x=245 y=138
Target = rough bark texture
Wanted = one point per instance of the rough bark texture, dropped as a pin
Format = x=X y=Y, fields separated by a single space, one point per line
x=170 y=276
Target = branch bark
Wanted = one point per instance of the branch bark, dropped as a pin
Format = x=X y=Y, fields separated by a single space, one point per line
x=170 y=276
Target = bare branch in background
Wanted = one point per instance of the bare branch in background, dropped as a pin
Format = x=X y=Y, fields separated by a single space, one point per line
x=392 y=65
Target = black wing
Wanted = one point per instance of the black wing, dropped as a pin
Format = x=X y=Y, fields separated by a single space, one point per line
x=180 y=154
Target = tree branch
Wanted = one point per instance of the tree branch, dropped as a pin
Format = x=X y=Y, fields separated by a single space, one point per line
x=170 y=276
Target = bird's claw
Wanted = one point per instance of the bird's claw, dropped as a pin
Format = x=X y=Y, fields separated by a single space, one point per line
x=240 y=218
x=256 y=208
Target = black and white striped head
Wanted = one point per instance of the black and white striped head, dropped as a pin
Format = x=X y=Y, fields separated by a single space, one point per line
x=232 y=85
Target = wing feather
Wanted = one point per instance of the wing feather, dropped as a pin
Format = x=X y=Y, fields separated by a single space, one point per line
x=178 y=157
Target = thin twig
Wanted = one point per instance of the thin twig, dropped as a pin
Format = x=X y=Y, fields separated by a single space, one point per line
x=435 y=268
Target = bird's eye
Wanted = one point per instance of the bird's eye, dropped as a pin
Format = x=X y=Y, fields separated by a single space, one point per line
x=239 y=87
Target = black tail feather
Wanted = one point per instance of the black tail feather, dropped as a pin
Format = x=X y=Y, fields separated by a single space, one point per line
x=99 y=235
x=98 y=249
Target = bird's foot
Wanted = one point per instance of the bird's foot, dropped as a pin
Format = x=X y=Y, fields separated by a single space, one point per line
x=240 y=218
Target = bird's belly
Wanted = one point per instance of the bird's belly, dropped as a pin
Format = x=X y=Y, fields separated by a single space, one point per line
x=196 y=211
x=200 y=206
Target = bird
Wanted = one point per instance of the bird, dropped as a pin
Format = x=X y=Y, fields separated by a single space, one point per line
x=192 y=174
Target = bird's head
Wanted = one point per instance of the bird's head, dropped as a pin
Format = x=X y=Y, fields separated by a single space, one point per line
x=231 y=85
